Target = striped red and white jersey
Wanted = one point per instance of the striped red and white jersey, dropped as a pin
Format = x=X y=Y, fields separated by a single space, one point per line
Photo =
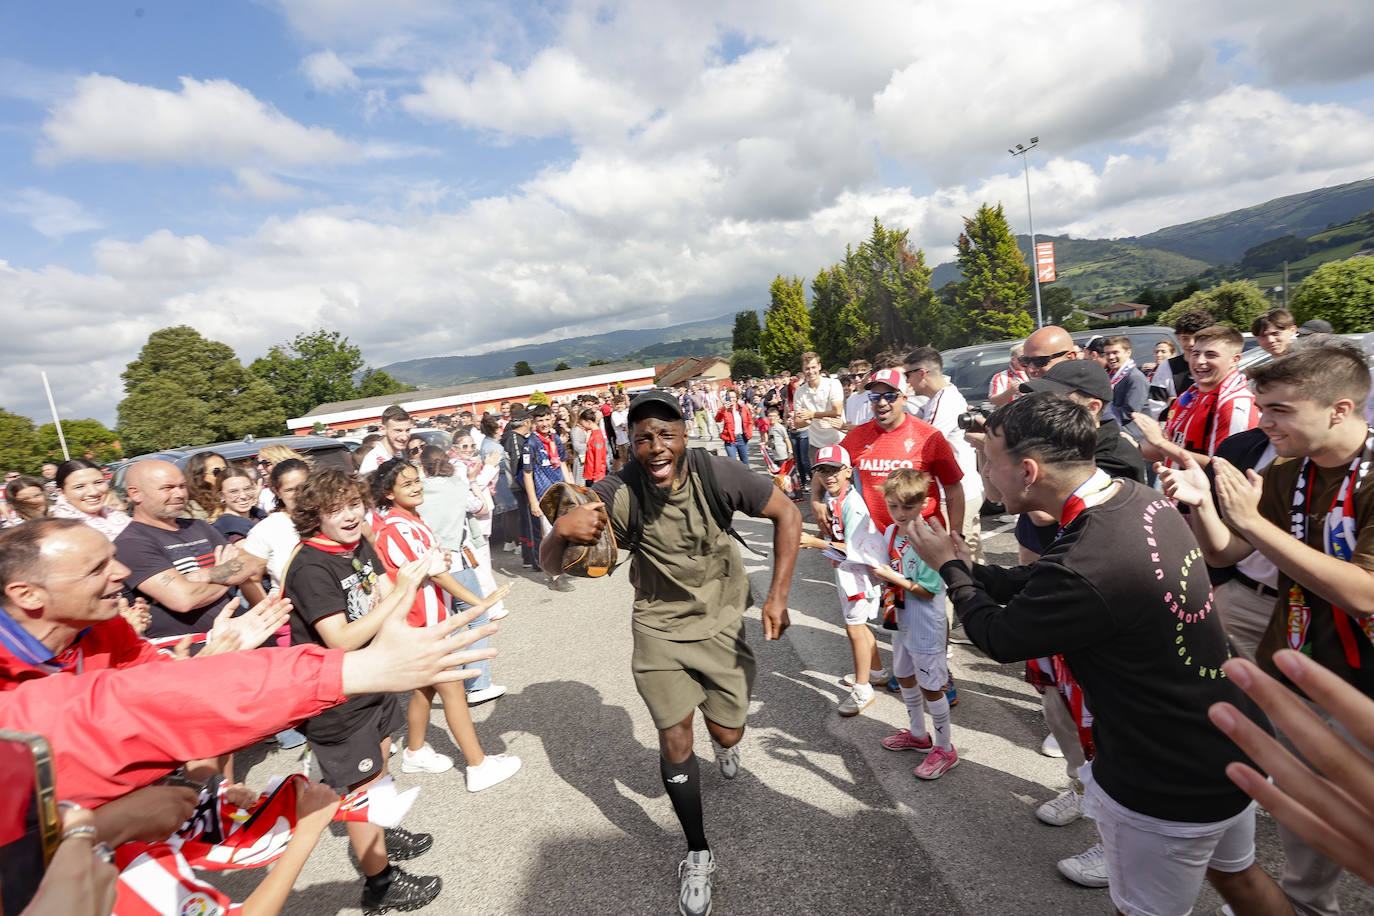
x=400 y=539
x=1201 y=421
x=159 y=881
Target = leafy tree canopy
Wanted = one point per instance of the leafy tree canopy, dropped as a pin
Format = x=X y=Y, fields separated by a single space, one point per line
x=184 y=389
x=319 y=368
x=85 y=439
x=787 y=325
x=1237 y=304
x=996 y=286
x=523 y=368
x=1341 y=292
x=19 y=449
x=746 y=364
x=747 y=330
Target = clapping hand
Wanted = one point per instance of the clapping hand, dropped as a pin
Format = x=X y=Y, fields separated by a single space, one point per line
x=1237 y=493
x=1187 y=484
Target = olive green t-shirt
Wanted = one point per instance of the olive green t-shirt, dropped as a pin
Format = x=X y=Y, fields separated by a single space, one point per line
x=1323 y=640
x=688 y=577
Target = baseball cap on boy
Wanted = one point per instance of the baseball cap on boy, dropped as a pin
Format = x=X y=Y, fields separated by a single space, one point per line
x=831 y=454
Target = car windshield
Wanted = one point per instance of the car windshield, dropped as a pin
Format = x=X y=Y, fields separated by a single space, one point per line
x=971 y=370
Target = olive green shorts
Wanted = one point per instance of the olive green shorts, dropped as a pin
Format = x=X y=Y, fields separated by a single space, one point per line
x=715 y=674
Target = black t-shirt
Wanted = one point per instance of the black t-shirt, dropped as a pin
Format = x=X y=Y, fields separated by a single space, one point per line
x=320 y=585
x=148 y=550
x=1123 y=596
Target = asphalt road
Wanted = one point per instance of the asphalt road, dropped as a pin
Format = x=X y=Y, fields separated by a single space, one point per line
x=822 y=820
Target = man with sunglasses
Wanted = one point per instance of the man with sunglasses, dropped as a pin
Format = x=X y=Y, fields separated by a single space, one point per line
x=894 y=439
x=1046 y=347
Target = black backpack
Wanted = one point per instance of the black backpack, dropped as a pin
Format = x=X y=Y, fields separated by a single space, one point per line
x=698 y=463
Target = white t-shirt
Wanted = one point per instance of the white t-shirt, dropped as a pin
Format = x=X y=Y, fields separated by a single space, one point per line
x=827 y=393
x=380 y=455
x=272 y=539
x=942 y=412
x=620 y=420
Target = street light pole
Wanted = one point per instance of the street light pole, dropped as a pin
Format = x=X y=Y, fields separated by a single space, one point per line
x=1021 y=150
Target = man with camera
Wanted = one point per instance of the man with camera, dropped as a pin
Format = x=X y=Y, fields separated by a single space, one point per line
x=944 y=410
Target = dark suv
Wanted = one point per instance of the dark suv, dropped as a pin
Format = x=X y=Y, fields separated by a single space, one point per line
x=321 y=450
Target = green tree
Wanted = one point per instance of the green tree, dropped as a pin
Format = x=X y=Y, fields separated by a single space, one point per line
x=376 y=383
x=746 y=364
x=561 y=367
x=747 y=331
x=839 y=324
x=184 y=389
x=19 y=449
x=995 y=290
x=786 y=331
x=538 y=397
x=1341 y=292
x=1237 y=303
x=598 y=362
x=895 y=286
x=85 y=439
x=523 y=368
x=314 y=369
x=1056 y=302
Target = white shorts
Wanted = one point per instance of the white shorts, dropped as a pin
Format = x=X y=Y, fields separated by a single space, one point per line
x=859 y=611
x=1157 y=867
x=931 y=670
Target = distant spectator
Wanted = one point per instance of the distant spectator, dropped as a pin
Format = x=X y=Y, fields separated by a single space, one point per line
x=49 y=471
x=1130 y=387
x=1274 y=331
x=239 y=495
x=26 y=499
x=1005 y=386
x=396 y=426
x=203 y=472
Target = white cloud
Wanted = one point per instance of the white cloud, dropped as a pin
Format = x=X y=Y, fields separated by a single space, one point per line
x=50 y=214
x=555 y=94
x=328 y=73
x=210 y=122
x=255 y=184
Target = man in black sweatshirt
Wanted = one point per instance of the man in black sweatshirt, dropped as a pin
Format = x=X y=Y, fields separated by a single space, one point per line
x=1122 y=594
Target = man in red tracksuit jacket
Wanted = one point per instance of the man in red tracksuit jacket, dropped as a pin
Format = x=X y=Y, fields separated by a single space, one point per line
x=735 y=423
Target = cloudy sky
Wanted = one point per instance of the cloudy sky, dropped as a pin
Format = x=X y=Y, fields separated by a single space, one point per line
x=446 y=177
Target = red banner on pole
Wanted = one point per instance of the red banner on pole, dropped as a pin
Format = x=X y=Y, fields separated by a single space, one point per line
x=1044 y=261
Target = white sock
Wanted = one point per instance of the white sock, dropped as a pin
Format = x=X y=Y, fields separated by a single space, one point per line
x=915 y=712
x=864 y=690
x=939 y=721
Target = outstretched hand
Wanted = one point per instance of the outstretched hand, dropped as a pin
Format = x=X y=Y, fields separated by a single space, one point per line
x=934 y=544
x=250 y=629
x=1332 y=809
x=1187 y=484
x=401 y=657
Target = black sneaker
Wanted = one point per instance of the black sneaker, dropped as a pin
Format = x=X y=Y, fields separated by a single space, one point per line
x=406 y=892
x=402 y=844
x=561 y=584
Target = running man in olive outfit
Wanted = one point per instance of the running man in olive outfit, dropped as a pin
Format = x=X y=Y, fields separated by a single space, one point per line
x=690 y=595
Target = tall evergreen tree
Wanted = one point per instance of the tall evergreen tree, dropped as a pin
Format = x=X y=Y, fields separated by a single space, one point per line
x=746 y=331
x=896 y=289
x=786 y=331
x=996 y=286
x=184 y=389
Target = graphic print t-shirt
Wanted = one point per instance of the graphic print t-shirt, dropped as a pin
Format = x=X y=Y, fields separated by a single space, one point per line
x=147 y=551
x=320 y=585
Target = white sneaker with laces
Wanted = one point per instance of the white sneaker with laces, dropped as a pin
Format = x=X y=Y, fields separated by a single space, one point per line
x=425 y=760
x=1066 y=808
x=495 y=768
x=695 y=873
x=727 y=758
x=1050 y=747
x=860 y=697
x=880 y=676
x=486 y=693
x=1087 y=868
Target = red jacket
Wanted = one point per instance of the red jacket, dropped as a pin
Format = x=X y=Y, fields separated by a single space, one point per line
x=594 y=463
x=117 y=730
x=726 y=419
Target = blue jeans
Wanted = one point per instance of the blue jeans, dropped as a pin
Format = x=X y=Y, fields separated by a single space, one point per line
x=468 y=579
x=740 y=449
x=801 y=451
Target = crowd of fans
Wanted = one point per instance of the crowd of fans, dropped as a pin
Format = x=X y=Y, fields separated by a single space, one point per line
x=1179 y=522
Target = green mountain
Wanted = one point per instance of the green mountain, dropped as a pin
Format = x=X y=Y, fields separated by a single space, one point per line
x=1263 y=263
x=648 y=346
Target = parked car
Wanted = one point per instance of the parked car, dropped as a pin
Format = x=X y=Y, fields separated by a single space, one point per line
x=322 y=452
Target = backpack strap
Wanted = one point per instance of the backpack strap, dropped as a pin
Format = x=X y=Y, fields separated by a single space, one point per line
x=699 y=463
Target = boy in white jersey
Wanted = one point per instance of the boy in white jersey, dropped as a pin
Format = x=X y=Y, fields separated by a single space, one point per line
x=856 y=537
x=918 y=649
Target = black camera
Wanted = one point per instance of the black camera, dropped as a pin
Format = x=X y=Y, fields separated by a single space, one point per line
x=972 y=420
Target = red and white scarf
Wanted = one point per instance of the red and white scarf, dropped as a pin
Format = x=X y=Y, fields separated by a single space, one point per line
x=1193 y=419
x=1124 y=371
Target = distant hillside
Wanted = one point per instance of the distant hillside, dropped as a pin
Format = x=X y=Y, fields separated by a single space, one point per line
x=648 y=346
x=1224 y=239
x=1103 y=270
x=1263 y=263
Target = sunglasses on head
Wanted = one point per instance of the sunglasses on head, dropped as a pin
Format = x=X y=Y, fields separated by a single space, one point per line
x=889 y=396
x=218 y=472
x=414 y=449
x=1040 y=362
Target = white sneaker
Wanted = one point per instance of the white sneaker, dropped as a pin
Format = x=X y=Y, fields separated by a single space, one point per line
x=1087 y=868
x=880 y=676
x=695 y=874
x=860 y=697
x=425 y=760
x=501 y=614
x=1064 y=809
x=727 y=758
x=496 y=768
x=486 y=693
x=1050 y=747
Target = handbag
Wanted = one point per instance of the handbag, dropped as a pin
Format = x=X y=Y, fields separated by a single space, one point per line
x=589 y=561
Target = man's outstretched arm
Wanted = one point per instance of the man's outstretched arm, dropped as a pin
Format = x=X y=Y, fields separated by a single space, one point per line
x=787 y=526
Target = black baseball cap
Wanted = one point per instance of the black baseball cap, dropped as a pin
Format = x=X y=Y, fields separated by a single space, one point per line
x=1314 y=326
x=1081 y=375
x=654 y=396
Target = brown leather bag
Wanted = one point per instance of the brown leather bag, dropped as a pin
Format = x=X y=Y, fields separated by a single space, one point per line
x=589 y=561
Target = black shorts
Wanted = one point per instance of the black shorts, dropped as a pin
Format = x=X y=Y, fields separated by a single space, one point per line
x=358 y=757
